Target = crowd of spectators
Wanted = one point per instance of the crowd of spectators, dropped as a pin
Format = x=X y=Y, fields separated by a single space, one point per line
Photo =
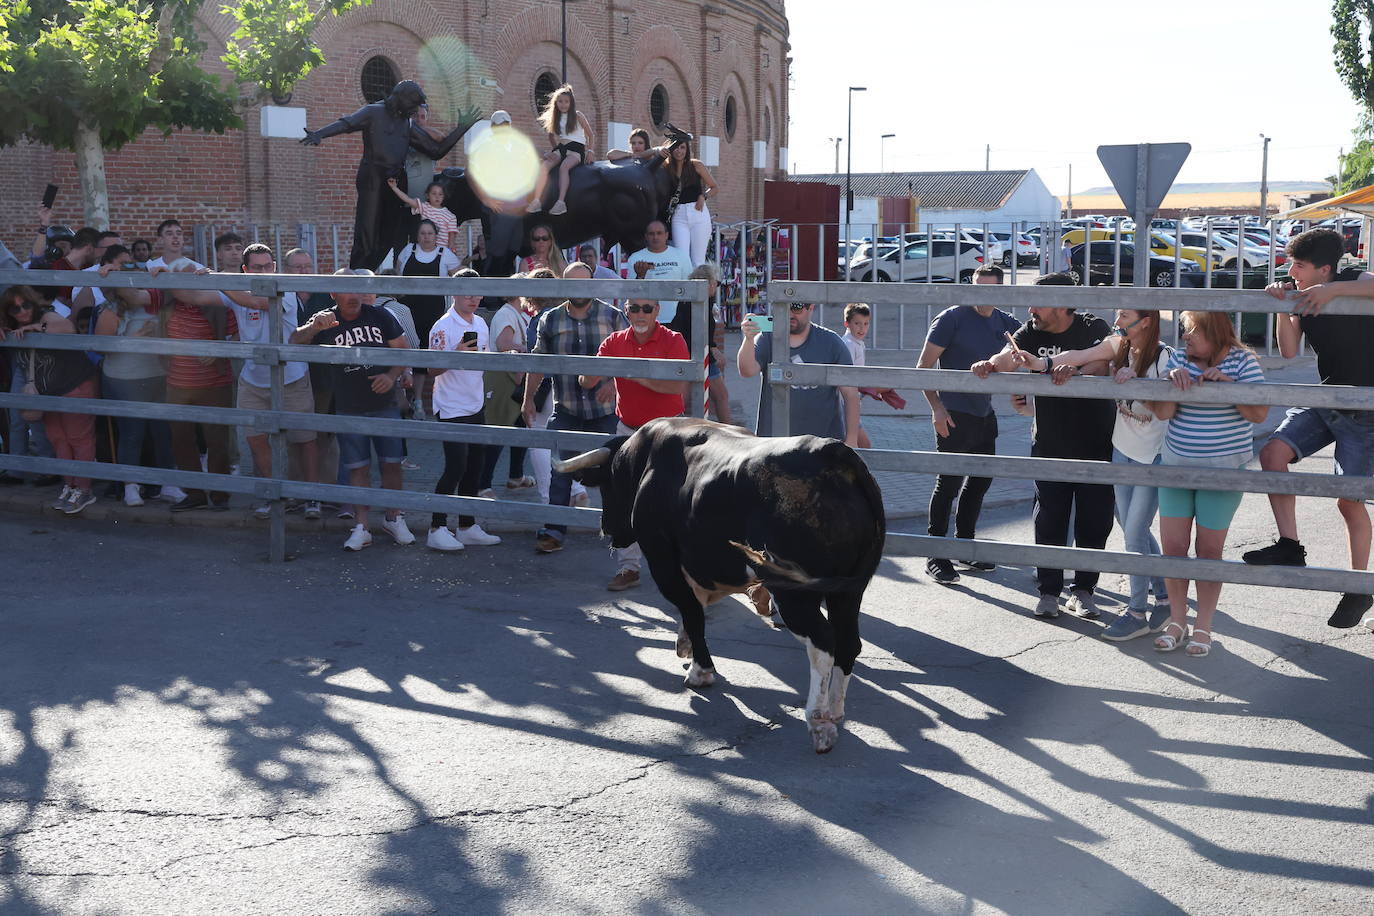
x=1056 y=340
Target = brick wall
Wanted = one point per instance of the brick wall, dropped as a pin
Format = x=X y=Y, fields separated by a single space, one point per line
x=618 y=50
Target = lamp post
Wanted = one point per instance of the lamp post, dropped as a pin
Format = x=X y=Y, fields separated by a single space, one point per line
x=882 y=152
x=849 y=160
x=836 y=141
x=1264 y=179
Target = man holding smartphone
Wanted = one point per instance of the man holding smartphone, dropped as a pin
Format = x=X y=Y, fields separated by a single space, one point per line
x=459 y=397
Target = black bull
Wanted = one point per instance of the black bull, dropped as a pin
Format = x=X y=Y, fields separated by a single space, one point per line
x=716 y=510
x=613 y=201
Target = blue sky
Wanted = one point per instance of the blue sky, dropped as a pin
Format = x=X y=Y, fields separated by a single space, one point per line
x=1046 y=81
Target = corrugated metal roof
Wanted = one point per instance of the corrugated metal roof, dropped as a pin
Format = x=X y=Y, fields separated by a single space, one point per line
x=935 y=190
x=1359 y=200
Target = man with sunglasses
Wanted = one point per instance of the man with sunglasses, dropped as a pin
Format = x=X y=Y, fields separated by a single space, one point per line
x=814 y=409
x=639 y=400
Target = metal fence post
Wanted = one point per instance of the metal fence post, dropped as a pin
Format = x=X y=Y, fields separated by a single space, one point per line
x=777 y=384
x=276 y=536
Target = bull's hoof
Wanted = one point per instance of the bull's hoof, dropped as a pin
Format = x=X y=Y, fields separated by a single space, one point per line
x=684 y=646
x=763 y=601
x=824 y=734
x=698 y=676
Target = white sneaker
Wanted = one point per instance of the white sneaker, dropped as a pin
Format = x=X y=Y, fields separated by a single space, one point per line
x=358 y=538
x=396 y=527
x=443 y=539
x=64 y=498
x=171 y=494
x=474 y=536
x=132 y=497
x=262 y=509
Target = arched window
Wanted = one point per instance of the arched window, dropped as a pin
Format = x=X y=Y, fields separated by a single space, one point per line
x=658 y=105
x=378 y=78
x=768 y=125
x=545 y=85
x=731 y=117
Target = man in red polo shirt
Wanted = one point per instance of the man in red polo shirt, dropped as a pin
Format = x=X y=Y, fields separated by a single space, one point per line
x=639 y=400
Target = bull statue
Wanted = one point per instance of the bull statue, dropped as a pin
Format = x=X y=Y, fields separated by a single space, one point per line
x=614 y=201
x=717 y=510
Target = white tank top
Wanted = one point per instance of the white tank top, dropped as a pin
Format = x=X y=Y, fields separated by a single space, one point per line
x=576 y=135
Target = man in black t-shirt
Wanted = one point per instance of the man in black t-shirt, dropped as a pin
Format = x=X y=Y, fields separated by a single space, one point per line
x=363 y=391
x=1343 y=344
x=1065 y=428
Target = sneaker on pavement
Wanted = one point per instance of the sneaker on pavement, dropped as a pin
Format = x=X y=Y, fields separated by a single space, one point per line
x=1126 y=626
x=63 y=499
x=485 y=493
x=1082 y=604
x=1047 y=606
x=626 y=578
x=132 y=496
x=979 y=565
x=1350 y=610
x=345 y=512
x=547 y=543
x=520 y=483
x=171 y=494
x=191 y=502
x=358 y=538
x=80 y=500
x=409 y=465
x=399 y=531
x=941 y=570
x=312 y=508
x=1158 y=616
x=443 y=539
x=1283 y=552
x=474 y=536
x=262 y=509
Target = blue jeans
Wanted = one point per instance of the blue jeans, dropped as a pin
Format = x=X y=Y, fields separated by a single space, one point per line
x=1135 y=512
x=133 y=429
x=560 y=485
x=25 y=437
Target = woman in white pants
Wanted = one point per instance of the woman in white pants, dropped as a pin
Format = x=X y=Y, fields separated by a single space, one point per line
x=692 y=185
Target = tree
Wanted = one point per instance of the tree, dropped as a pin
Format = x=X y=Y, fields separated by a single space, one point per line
x=1352 y=26
x=92 y=75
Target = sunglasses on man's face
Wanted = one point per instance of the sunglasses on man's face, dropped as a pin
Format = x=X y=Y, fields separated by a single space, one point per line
x=636 y=309
x=797 y=308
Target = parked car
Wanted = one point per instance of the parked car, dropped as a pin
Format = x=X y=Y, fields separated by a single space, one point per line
x=1027 y=250
x=1102 y=264
x=1165 y=245
x=992 y=249
x=1225 y=246
x=936 y=259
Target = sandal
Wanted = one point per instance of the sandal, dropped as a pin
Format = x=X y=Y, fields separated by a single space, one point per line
x=519 y=483
x=1199 y=649
x=1166 y=641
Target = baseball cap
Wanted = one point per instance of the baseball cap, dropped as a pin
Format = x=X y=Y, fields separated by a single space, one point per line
x=500 y=116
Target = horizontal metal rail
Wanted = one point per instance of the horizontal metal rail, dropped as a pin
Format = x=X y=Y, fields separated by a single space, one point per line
x=1135 y=564
x=1338 y=397
x=270 y=488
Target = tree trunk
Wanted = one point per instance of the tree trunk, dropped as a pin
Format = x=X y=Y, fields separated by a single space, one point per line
x=90 y=167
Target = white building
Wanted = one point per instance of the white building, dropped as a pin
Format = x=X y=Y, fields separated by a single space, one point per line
x=943 y=198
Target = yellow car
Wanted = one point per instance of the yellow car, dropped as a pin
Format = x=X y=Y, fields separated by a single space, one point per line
x=1160 y=244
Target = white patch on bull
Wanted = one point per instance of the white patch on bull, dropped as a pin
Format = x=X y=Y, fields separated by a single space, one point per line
x=818 y=715
x=839 y=686
x=698 y=676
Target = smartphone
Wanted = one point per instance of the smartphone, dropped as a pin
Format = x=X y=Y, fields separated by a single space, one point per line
x=763 y=322
x=469 y=335
x=49 y=196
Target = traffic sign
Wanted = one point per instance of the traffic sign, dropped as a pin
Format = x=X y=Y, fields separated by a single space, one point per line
x=1161 y=163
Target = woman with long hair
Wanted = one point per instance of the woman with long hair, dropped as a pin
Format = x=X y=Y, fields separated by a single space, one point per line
x=639 y=148
x=426 y=257
x=20 y=307
x=571 y=138
x=544 y=251
x=1208 y=436
x=692 y=186
x=1134 y=351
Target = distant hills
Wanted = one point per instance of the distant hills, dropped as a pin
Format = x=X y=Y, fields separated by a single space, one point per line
x=1226 y=187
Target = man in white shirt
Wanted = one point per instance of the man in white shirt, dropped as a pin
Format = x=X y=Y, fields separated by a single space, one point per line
x=460 y=397
x=660 y=261
x=170 y=242
x=255 y=380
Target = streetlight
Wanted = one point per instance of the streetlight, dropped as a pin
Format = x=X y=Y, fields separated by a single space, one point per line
x=882 y=151
x=849 y=160
x=836 y=141
x=1264 y=178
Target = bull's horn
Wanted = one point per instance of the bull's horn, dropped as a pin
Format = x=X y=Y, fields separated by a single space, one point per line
x=591 y=459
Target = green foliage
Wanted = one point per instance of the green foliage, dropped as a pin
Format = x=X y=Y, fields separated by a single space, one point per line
x=273 y=45
x=1352 y=27
x=118 y=65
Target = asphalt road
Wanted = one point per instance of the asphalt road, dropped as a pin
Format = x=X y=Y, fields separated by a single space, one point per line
x=185 y=729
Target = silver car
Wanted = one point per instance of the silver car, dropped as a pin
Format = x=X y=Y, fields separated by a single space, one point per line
x=936 y=260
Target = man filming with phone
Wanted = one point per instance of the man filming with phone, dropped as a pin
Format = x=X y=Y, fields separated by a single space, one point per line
x=814 y=409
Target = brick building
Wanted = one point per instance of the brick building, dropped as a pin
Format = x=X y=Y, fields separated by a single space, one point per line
x=718 y=69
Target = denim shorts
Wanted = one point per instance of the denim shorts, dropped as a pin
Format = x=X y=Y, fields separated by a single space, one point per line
x=355 y=449
x=1307 y=430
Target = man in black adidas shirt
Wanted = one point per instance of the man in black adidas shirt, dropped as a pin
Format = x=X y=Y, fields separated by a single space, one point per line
x=1342 y=344
x=1065 y=428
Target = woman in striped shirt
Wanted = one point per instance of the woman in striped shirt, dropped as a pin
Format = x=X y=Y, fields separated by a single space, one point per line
x=1208 y=436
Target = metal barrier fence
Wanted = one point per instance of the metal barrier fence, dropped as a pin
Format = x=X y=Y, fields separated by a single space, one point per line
x=780 y=378
x=276 y=421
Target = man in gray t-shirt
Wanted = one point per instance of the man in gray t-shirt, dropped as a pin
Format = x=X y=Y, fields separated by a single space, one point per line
x=814 y=409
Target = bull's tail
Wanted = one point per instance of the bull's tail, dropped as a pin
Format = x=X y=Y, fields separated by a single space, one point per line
x=777 y=573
